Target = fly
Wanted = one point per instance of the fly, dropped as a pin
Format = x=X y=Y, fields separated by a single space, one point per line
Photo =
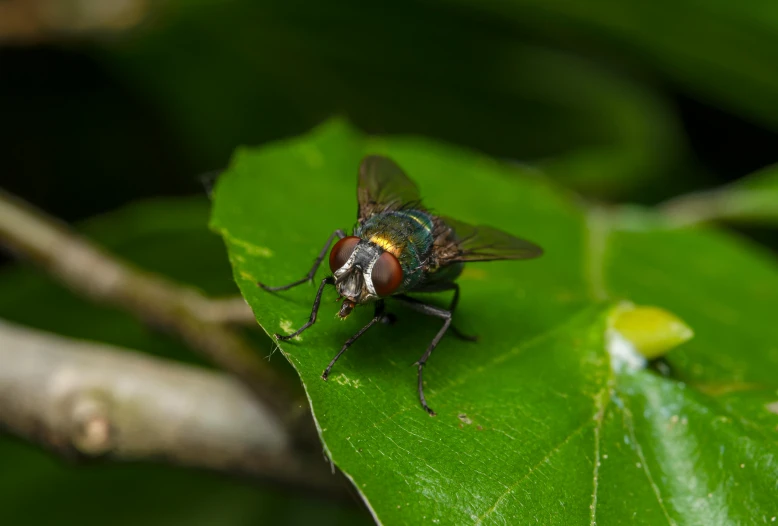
x=398 y=247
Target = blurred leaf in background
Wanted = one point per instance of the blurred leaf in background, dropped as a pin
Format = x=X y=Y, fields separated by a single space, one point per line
x=609 y=99
x=719 y=51
x=263 y=70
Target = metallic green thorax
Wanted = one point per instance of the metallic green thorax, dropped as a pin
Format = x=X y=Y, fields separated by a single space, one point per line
x=408 y=234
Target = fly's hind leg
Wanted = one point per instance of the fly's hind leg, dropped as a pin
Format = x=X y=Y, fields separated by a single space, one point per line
x=443 y=287
x=451 y=308
x=429 y=310
x=311 y=273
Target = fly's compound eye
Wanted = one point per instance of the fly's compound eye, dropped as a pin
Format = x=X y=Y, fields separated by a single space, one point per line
x=342 y=251
x=387 y=274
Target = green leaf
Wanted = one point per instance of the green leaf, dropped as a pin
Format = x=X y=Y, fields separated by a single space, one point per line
x=168 y=236
x=535 y=421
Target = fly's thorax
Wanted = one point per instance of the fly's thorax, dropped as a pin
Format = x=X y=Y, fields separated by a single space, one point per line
x=406 y=234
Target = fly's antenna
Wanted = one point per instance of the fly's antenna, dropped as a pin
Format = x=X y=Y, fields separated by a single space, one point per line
x=346 y=274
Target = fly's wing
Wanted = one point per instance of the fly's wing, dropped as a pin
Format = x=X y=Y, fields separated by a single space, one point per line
x=481 y=243
x=383 y=186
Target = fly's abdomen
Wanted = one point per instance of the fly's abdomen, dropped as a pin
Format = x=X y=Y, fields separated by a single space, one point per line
x=405 y=233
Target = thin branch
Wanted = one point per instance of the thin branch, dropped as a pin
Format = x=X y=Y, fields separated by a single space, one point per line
x=32 y=22
x=735 y=203
x=232 y=311
x=91 y=400
x=89 y=271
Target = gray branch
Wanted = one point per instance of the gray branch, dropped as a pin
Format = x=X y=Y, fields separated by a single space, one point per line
x=201 y=322
x=85 y=399
x=738 y=203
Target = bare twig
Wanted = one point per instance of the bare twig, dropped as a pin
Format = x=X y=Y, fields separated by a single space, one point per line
x=91 y=400
x=36 y=21
x=233 y=311
x=736 y=203
x=200 y=322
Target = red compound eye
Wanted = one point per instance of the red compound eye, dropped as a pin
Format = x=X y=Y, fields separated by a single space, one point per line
x=342 y=251
x=387 y=274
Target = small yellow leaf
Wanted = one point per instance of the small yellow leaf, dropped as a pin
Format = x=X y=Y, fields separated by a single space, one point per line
x=652 y=331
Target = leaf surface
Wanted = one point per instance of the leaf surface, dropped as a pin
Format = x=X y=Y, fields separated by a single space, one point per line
x=536 y=421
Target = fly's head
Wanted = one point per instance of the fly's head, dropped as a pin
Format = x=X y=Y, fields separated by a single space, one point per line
x=363 y=272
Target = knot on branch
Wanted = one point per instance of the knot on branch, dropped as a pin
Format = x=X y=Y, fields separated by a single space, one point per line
x=91 y=430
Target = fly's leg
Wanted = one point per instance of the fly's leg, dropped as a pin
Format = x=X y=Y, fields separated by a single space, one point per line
x=429 y=310
x=379 y=315
x=451 y=308
x=326 y=281
x=443 y=287
x=309 y=277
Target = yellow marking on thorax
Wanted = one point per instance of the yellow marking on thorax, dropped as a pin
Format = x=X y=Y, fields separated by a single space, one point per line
x=386 y=244
x=422 y=223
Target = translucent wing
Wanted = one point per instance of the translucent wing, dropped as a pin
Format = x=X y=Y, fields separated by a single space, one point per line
x=383 y=186
x=484 y=243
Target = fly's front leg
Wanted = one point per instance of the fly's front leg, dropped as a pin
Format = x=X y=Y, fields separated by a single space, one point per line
x=311 y=273
x=379 y=315
x=326 y=281
x=429 y=310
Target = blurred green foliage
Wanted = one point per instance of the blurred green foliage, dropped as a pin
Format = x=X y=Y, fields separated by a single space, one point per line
x=433 y=72
x=634 y=102
x=722 y=52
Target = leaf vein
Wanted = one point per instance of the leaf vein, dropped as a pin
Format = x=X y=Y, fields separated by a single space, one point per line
x=598 y=232
x=545 y=459
x=602 y=406
x=629 y=423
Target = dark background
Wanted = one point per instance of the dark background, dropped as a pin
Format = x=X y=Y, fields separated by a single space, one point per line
x=96 y=118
